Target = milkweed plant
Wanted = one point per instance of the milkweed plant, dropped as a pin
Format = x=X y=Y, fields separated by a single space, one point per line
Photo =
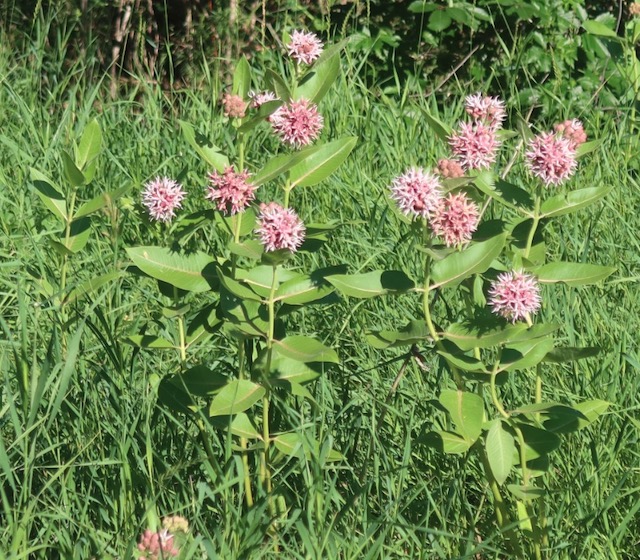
x=481 y=240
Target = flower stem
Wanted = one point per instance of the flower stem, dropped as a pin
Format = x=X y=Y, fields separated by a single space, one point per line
x=248 y=493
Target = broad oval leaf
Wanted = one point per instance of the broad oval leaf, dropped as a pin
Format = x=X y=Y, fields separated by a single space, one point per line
x=201 y=144
x=71 y=172
x=237 y=396
x=305 y=349
x=466 y=410
x=442 y=130
x=280 y=164
x=525 y=354
x=598 y=28
x=476 y=258
x=242 y=78
x=412 y=333
x=371 y=284
x=322 y=162
x=100 y=201
x=194 y=272
x=538 y=442
x=572 y=201
x=79 y=232
x=50 y=195
x=565 y=354
x=148 y=341
x=445 y=442
x=572 y=274
x=319 y=79
x=90 y=144
x=302 y=289
x=500 y=449
x=242 y=426
x=526 y=493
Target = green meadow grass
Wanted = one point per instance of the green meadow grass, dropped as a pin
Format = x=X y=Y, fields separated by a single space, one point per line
x=87 y=455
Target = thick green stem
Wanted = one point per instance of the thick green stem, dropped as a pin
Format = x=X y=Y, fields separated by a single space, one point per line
x=535 y=223
x=248 y=492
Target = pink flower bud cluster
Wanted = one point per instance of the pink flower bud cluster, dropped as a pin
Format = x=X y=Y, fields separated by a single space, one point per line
x=155 y=545
x=233 y=106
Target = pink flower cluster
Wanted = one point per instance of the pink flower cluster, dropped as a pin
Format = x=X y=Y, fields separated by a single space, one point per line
x=279 y=228
x=450 y=169
x=515 y=295
x=233 y=106
x=573 y=131
x=162 y=196
x=259 y=99
x=304 y=48
x=551 y=158
x=297 y=123
x=419 y=193
x=487 y=109
x=230 y=190
x=155 y=545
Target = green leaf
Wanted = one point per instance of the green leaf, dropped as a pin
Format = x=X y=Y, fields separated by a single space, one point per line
x=277 y=85
x=508 y=194
x=237 y=396
x=468 y=336
x=466 y=410
x=238 y=289
x=303 y=289
x=200 y=381
x=294 y=371
x=50 y=195
x=90 y=144
x=412 y=333
x=442 y=130
x=588 y=147
x=90 y=286
x=592 y=410
x=148 y=341
x=572 y=274
x=565 y=354
x=597 y=28
x=201 y=144
x=525 y=354
x=445 y=442
x=298 y=445
x=422 y=6
x=244 y=318
x=79 y=232
x=317 y=82
x=305 y=349
x=371 y=284
x=572 y=201
x=250 y=248
x=439 y=20
x=100 y=201
x=538 y=442
x=526 y=493
x=463 y=362
x=264 y=111
x=242 y=426
x=71 y=172
x=195 y=272
x=500 y=449
x=279 y=164
x=242 y=78
x=476 y=258
x=322 y=162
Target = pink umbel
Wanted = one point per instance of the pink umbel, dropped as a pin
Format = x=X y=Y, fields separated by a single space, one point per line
x=304 y=48
x=475 y=145
x=233 y=106
x=155 y=545
x=298 y=123
x=489 y=110
x=231 y=191
x=279 y=228
x=260 y=98
x=515 y=295
x=573 y=131
x=551 y=158
x=417 y=192
x=455 y=219
x=161 y=197
x=450 y=169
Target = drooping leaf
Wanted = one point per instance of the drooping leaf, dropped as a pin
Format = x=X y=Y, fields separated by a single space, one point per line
x=476 y=258
x=303 y=289
x=442 y=130
x=371 y=284
x=572 y=274
x=90 y=144
x=445 y=442
x=294 y=444
x=317 y=82
x=237 y=396
x=322 y=162
x=281 y=163
x=242 y=78
x=50 y=195
x=600 y=29
x=565 y=354
x=538 y=441
x=523 y=355
x=79 y=232
x=276 y=84
x=305 y=349
x=201 y=144
x=195 y=272
x=572 y=201
x=466 y=410
x=71 y=172
x=500 y=449
x=91 y=285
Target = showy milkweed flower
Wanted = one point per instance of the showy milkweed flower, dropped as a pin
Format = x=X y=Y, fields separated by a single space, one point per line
x=450 y=169
x=279 y=228
x=297 y=123
x=551 y=158
x=515 y=295
x=259 y=99
x=455 y=219
x=573 y=131
x=233 y=106
x=417 y=192
x=487 y=109
x=157 y=544
x=231 y=191
x=304 y=47
x=475 y=145
x=162 y=196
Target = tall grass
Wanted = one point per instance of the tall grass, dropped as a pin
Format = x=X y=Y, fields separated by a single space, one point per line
x=86 y=456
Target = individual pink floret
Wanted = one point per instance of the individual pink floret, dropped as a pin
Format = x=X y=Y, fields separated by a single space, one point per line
x=450 y=169
x=162 y=196
x=455 y=219
x=304 y=47
x=298 y=123
x=515 y=295
x=489 y=110
x=417 y=192
x=155 y=545
x=259 y=99
x=279 y=228
x=573 y=131
x=231 y=191
x=233 y=106
x=475 y=145
x=551 y=158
